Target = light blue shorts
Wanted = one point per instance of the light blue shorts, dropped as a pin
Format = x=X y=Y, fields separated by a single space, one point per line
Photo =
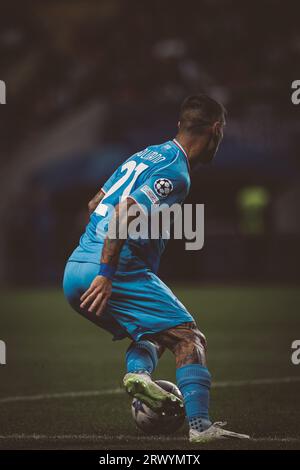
x=140 y=303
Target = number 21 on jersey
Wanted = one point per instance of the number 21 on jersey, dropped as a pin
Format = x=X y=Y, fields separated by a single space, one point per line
x=124 y=184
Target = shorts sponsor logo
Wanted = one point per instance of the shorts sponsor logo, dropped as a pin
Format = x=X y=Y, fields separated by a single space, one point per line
x=150 y=194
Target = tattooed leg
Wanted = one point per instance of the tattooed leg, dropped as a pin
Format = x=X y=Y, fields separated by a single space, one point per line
x=188 y=345
x=190 y=348
x=186 y=342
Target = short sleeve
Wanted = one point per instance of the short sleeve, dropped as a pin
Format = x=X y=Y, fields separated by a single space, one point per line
x=160 y=189
x=110 y=182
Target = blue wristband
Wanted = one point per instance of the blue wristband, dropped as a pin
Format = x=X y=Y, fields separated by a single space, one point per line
x=107 y=270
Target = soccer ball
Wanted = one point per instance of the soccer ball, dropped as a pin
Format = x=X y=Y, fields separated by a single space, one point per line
x=154 y=422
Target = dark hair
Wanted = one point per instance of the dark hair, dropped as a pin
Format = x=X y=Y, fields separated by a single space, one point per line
x=199 y=111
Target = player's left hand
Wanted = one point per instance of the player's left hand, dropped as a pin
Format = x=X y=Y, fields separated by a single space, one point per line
x=97 y=295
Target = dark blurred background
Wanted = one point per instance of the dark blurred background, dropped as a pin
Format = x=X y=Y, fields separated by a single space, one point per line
x=90 y=82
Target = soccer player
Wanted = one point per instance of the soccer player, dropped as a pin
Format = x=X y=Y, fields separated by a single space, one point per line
x=112 y=281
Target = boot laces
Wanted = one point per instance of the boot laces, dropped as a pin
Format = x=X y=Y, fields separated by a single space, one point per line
x=220 y=424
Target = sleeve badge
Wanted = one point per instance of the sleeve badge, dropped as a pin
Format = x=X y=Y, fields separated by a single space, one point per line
x=163 y=187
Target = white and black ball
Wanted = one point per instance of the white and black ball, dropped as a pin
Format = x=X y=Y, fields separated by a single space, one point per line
x=154 y=422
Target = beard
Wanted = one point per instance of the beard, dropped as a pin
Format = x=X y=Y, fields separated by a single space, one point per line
x=210 y=151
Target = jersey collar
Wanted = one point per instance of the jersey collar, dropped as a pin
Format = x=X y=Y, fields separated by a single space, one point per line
x=184 y=152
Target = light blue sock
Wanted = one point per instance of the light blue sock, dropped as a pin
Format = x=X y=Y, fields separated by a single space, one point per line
x=194 y=383
x=141 y=357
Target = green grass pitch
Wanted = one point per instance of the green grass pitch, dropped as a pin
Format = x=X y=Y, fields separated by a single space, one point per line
x=53 y=355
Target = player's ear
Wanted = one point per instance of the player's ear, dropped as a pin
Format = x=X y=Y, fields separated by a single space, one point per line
x=218 y=129
x=216 y=126
x=178 y=124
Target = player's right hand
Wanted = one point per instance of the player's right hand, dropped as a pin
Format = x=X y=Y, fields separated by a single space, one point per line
x=97 y=295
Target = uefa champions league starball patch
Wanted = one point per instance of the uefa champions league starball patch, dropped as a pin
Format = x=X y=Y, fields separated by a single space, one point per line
x=163 y=187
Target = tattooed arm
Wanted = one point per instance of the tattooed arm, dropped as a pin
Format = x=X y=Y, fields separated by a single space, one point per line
x=117 y=232
x=97 y=295
x=95 y=201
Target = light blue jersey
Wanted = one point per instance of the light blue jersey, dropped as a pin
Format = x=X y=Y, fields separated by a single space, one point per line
x=140 y=304
x=157 y=175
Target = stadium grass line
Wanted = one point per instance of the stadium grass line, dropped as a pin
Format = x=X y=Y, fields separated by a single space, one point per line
x=50 y=396
x=122 y=437
x=116 y=391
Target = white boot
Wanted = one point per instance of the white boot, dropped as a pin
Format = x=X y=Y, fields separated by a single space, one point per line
x=214 y=432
